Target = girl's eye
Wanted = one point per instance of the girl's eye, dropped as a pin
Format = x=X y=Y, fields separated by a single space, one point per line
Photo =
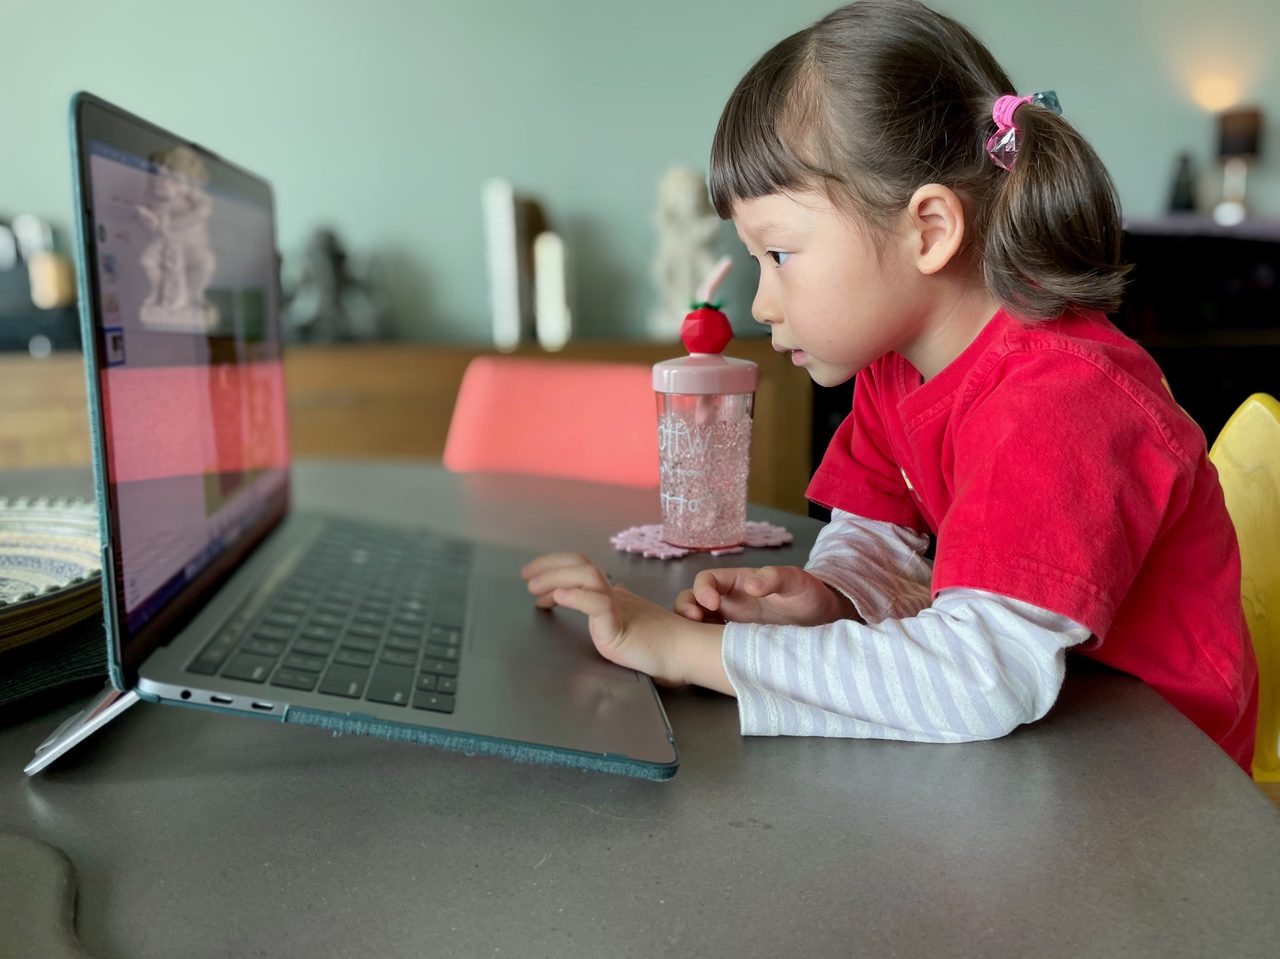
x=778 y=256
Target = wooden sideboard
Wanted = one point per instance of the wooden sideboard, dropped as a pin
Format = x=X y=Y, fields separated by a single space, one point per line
x=395 y=400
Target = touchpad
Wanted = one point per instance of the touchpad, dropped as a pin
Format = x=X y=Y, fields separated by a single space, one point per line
x=503 y=623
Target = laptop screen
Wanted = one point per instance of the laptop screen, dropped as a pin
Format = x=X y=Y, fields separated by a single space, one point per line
x=180 y=251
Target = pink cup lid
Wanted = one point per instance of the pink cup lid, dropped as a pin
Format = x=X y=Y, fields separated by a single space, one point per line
x=705 y=333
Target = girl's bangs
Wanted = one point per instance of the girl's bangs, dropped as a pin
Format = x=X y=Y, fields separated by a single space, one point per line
x=749 y=157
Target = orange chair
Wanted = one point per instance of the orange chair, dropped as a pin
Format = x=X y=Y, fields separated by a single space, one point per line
x=553 y=417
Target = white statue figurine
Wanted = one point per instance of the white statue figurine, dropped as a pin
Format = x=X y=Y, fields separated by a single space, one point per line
x=178 y=259
x=687 y=227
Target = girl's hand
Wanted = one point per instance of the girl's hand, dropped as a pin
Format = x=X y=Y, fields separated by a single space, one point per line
x=785 y=595
x=628 y=629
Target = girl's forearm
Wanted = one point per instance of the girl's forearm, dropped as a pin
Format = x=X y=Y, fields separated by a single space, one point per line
x=697 y=652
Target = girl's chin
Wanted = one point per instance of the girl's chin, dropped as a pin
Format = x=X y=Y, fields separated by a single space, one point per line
x=826 y=375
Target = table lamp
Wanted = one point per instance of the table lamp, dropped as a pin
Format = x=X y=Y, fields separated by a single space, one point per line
x=1239 y=141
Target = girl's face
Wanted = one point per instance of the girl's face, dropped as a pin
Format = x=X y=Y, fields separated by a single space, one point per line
x=831 y=297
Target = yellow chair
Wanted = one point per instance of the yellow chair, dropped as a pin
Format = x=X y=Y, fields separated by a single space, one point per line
x=1247 y=456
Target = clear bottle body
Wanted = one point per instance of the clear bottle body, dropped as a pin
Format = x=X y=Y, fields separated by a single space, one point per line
x=704 y=454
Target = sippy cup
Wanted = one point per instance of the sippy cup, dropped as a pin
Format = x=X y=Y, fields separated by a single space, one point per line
x=704 y=435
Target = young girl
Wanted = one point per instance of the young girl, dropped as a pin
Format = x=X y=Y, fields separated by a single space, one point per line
x=955 y=248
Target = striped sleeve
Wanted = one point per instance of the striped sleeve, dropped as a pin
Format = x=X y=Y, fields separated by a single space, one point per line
x=879 y=567
x=972 y=666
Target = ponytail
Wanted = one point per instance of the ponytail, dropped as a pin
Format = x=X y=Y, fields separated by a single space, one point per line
x=1052 y=237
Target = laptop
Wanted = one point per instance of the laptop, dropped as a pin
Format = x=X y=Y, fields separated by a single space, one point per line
x=216 y=593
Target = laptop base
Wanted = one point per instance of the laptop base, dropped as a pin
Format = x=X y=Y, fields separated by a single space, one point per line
x=473 y=745
x=111 y=702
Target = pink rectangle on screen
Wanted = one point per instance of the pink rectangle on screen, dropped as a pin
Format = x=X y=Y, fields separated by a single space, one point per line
x=190 y=420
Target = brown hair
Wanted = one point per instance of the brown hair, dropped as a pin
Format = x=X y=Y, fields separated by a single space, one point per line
x=881 y=97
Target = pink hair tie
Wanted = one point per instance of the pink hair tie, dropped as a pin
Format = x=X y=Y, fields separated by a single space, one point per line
x=1002 y=146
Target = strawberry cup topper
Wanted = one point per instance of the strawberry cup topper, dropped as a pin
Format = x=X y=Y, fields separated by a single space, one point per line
x=705 y=328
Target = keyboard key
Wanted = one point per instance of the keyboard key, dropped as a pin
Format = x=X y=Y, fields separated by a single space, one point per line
x=310 y=664
x=263 y=647
x=368 y=630
x=440 y=667
x=312 y=647
x=436 y=702
x=250 y=668
x=405 y=644
x=427 y=681
x=399 y=657
x=345 y=681
x=442 y=652
x=390 y=684
x=294 y=679
x=363 y=643
x=445 y=635
x=214 y=654
x=353 y=657
x=273 y=632
x=320 y=632
x=447 y=684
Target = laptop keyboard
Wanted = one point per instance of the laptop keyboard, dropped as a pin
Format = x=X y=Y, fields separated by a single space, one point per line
x=367 y=614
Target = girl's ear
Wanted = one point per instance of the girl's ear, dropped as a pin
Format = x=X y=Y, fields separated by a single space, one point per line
x=935 y=227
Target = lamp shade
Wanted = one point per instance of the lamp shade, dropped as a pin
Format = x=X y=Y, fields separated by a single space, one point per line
x=1240 y=133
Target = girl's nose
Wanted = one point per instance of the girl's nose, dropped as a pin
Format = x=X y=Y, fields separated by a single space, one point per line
x=763 y=309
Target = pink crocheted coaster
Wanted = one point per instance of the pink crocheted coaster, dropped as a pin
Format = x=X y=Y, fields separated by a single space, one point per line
x=648 y=541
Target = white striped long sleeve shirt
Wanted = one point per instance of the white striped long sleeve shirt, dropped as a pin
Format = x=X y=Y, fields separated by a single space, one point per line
x=974 y=665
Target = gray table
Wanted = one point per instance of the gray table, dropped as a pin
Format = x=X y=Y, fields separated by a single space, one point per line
x=1110 y=828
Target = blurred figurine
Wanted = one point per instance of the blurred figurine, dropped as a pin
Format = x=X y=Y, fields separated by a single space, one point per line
x=328 y=303
x=687 y=228
x=178 y=258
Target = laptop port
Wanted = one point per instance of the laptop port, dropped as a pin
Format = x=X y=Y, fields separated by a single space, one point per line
x=267 y=707
x=221 y=700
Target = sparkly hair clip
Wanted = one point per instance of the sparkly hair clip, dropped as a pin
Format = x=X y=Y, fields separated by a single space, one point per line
x=1002 y=146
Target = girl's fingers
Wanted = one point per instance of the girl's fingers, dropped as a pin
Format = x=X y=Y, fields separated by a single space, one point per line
x=765 y=580
x=596 y=605
x=711 y=584
x=688 y=607
x=581 y=575
x=552 y=561
x=589 y=601
x=776 y=580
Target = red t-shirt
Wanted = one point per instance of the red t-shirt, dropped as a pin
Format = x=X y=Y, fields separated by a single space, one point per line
x=1054 y=468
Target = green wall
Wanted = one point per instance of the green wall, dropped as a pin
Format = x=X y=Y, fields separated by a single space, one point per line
x=384 y=117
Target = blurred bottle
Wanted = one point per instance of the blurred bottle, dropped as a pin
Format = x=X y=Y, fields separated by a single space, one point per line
x=1182 y=199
